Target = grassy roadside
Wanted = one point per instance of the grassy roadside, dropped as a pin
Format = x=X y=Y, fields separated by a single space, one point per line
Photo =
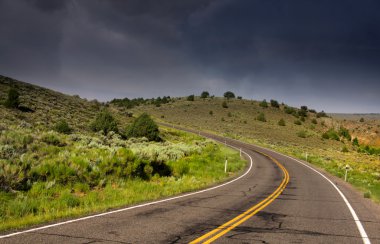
x=50 y=200
x=364 y=176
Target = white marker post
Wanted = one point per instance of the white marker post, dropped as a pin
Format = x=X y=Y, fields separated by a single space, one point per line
x=225 y=166
x=345 y=175
x=306 y=156
x=240 y=152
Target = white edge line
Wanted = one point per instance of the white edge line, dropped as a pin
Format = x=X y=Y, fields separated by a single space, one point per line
x=133 y=207
x=359 y=225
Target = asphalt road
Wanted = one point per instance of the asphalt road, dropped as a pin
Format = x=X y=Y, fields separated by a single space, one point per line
x=309 y=210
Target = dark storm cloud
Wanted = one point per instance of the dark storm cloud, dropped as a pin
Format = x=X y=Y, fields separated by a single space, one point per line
x=324 y=54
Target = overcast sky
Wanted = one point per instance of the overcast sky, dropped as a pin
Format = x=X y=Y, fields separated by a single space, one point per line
x=324 y=54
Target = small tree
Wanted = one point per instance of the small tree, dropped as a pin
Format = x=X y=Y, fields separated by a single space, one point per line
x=361 y=120
x=314 y=121
x=224 y=104
x=281 y=122
x=13 y=99
x=229 y=94
x=144 y=126
x=274 y=103
x=263 y=104
x=62 y=127
x=105 y=122
x=205 y=94
x=190 y=98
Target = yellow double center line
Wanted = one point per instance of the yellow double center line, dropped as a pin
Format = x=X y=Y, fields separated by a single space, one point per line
x=226 y=227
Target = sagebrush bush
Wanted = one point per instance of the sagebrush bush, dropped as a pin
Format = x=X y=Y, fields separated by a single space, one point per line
x=224 y=104
x=144 y=126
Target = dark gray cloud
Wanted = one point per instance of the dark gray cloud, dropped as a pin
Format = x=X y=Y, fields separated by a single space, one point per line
x=322 y=54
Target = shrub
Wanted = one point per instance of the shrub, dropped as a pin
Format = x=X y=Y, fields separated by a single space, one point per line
x=297 y=122
x=344 y=149
x=290 y=110
x=361 y=120
x=302 y=119
x=105 y=122
x=264 y=104
x=229 y=94
x=302 y=134
x=240 y=97
x=261 y=117
x=211 y=112
x=62 y=127
x=355 y=142
x=314 y=121
x=224 y=104
x=144 y=126
x=205 y=94
x=331 y=134
x=302 y=112
x=312 y=111
x=344 y=133
x=190 y=98
x=281 y=122
x=229 y=114
x=304 y=108
x=13 y=99
x=321 y=114
x=274 y=103
x=51 y=139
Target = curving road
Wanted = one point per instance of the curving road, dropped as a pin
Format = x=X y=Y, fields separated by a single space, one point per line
x=309 y=210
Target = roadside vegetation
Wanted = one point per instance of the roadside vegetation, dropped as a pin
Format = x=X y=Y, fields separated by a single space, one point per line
x=66 y=156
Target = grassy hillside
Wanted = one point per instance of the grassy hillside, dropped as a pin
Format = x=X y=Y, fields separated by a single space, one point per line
x=365 y=127
x=49 y=171
x=328 y=142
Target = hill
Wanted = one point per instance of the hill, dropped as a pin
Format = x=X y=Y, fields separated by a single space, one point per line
x=328 y=142
x=63 y=156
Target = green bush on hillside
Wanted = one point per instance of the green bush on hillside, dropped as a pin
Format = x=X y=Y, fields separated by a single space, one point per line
x=274 y=103
x=190 y=98
x=144 y=126
x=205 y=94
x=297 y=122
x=331 y=134
x=229 y=94
x=355 y=142
x=224 y=104
x=261 y=117
x=62 y=127
x=13 y=99
x=105 y=122
x=281 y=122
x=344 y=133
x=263 y=104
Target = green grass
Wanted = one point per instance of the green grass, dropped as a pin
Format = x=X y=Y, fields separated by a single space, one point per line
x=47 y=201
